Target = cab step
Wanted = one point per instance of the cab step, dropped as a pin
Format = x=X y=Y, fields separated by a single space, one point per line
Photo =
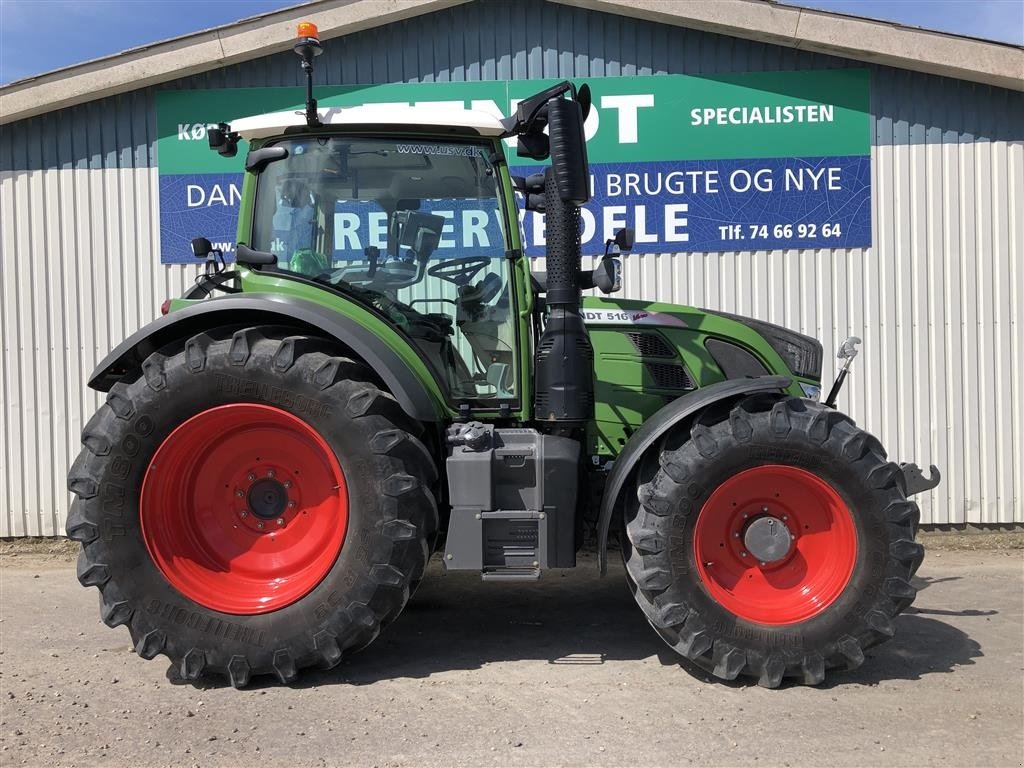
x=511 y=574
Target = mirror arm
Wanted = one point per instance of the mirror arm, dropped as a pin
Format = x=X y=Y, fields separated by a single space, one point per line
x=529 y=110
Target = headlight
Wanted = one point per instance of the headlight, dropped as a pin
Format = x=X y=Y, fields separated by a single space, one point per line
x=811 y=391
x=801 y=353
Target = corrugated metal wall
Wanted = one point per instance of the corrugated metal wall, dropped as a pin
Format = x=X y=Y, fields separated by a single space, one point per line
x=937 y=299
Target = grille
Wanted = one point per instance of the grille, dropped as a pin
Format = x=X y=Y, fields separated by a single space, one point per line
x=670 y=376
x=649 y=344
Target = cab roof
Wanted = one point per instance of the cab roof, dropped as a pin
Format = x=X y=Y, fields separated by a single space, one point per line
x=389 y=117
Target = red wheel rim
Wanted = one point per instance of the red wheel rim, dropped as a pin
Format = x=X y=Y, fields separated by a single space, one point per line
x=795 y=505
x=244 y=508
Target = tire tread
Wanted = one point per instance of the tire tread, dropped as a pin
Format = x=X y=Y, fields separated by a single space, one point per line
x=670 y=489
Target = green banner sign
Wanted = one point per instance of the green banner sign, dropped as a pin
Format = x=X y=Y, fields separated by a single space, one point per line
x=782 y=143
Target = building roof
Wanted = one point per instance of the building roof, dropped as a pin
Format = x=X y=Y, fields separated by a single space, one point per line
x=853 y=37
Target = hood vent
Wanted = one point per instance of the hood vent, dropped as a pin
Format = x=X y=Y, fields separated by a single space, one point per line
x=650 y=344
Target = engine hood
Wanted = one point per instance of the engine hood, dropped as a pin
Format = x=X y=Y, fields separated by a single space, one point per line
x=781 y=351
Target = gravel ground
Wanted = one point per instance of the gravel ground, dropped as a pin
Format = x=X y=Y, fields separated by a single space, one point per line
x=564 y=672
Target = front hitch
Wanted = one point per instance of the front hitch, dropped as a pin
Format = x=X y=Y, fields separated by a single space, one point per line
x=846 y=353
x=914 y=479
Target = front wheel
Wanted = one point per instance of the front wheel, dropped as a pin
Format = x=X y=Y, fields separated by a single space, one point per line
x=773 y=540
x=251 y=503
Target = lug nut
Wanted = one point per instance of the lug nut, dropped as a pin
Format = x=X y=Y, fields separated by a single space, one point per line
x=451 y=557
x=743 y=554
x=280 y=521
x=240 y=494
x=291 y=505
x=259 y=525
x=287 y=483
x=250 y=477
x=764 y=509
x=270 y=473
x=736 y=535
x=763 y=563
x=243 y=513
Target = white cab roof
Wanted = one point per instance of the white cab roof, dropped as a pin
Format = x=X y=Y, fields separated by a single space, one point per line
x=396 y=116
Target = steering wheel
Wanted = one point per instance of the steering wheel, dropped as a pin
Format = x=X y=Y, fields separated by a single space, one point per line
x=459 y=271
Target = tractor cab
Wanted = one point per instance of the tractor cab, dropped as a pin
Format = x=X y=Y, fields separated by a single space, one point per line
x=410 y=212
x=418 y=230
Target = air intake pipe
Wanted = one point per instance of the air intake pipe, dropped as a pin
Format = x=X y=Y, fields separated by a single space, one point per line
x=564 y=367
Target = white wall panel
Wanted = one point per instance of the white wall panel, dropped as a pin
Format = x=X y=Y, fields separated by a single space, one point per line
x=938 y=299
x=81 y=272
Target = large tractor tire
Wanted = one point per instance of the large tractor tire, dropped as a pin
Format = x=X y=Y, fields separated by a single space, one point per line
x=251 y=503
x=772 y=540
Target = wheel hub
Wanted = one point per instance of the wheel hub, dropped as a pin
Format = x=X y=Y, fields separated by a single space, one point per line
x=768 y=539
x=267 y=498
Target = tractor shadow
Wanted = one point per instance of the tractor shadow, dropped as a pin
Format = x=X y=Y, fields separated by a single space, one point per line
x=922 y=646
x=458 y=622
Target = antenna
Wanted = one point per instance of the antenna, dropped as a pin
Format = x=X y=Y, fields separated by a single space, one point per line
x=308 y=48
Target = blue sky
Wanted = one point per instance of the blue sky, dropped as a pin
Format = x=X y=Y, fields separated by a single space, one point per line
x=40 y=35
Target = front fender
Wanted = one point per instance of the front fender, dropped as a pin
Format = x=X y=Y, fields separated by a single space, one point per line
x=677 y=412
x=415 y=397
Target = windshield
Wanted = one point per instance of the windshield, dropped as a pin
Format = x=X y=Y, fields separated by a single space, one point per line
x=414 y=230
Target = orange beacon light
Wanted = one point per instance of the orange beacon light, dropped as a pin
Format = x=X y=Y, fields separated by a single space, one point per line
x=307 y=29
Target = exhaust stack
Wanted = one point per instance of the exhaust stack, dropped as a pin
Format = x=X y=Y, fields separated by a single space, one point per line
x=565 y=358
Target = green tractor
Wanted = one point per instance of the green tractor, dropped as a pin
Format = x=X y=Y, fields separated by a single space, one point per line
x=280 y=454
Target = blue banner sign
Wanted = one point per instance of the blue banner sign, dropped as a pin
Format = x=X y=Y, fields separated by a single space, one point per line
x=743 y=162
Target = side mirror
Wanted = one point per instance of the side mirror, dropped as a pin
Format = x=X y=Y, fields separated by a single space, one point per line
x=568 y=150
x=534 y=145
x=201 y=247
x=624 y=239
x=223 y=140
x=608 y=276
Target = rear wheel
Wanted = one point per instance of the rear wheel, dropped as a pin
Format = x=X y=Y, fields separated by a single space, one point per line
x=772 y=540
x=251 y=503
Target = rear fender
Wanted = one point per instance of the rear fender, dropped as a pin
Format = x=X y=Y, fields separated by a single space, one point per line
x=415 y=397
x=677 y=413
